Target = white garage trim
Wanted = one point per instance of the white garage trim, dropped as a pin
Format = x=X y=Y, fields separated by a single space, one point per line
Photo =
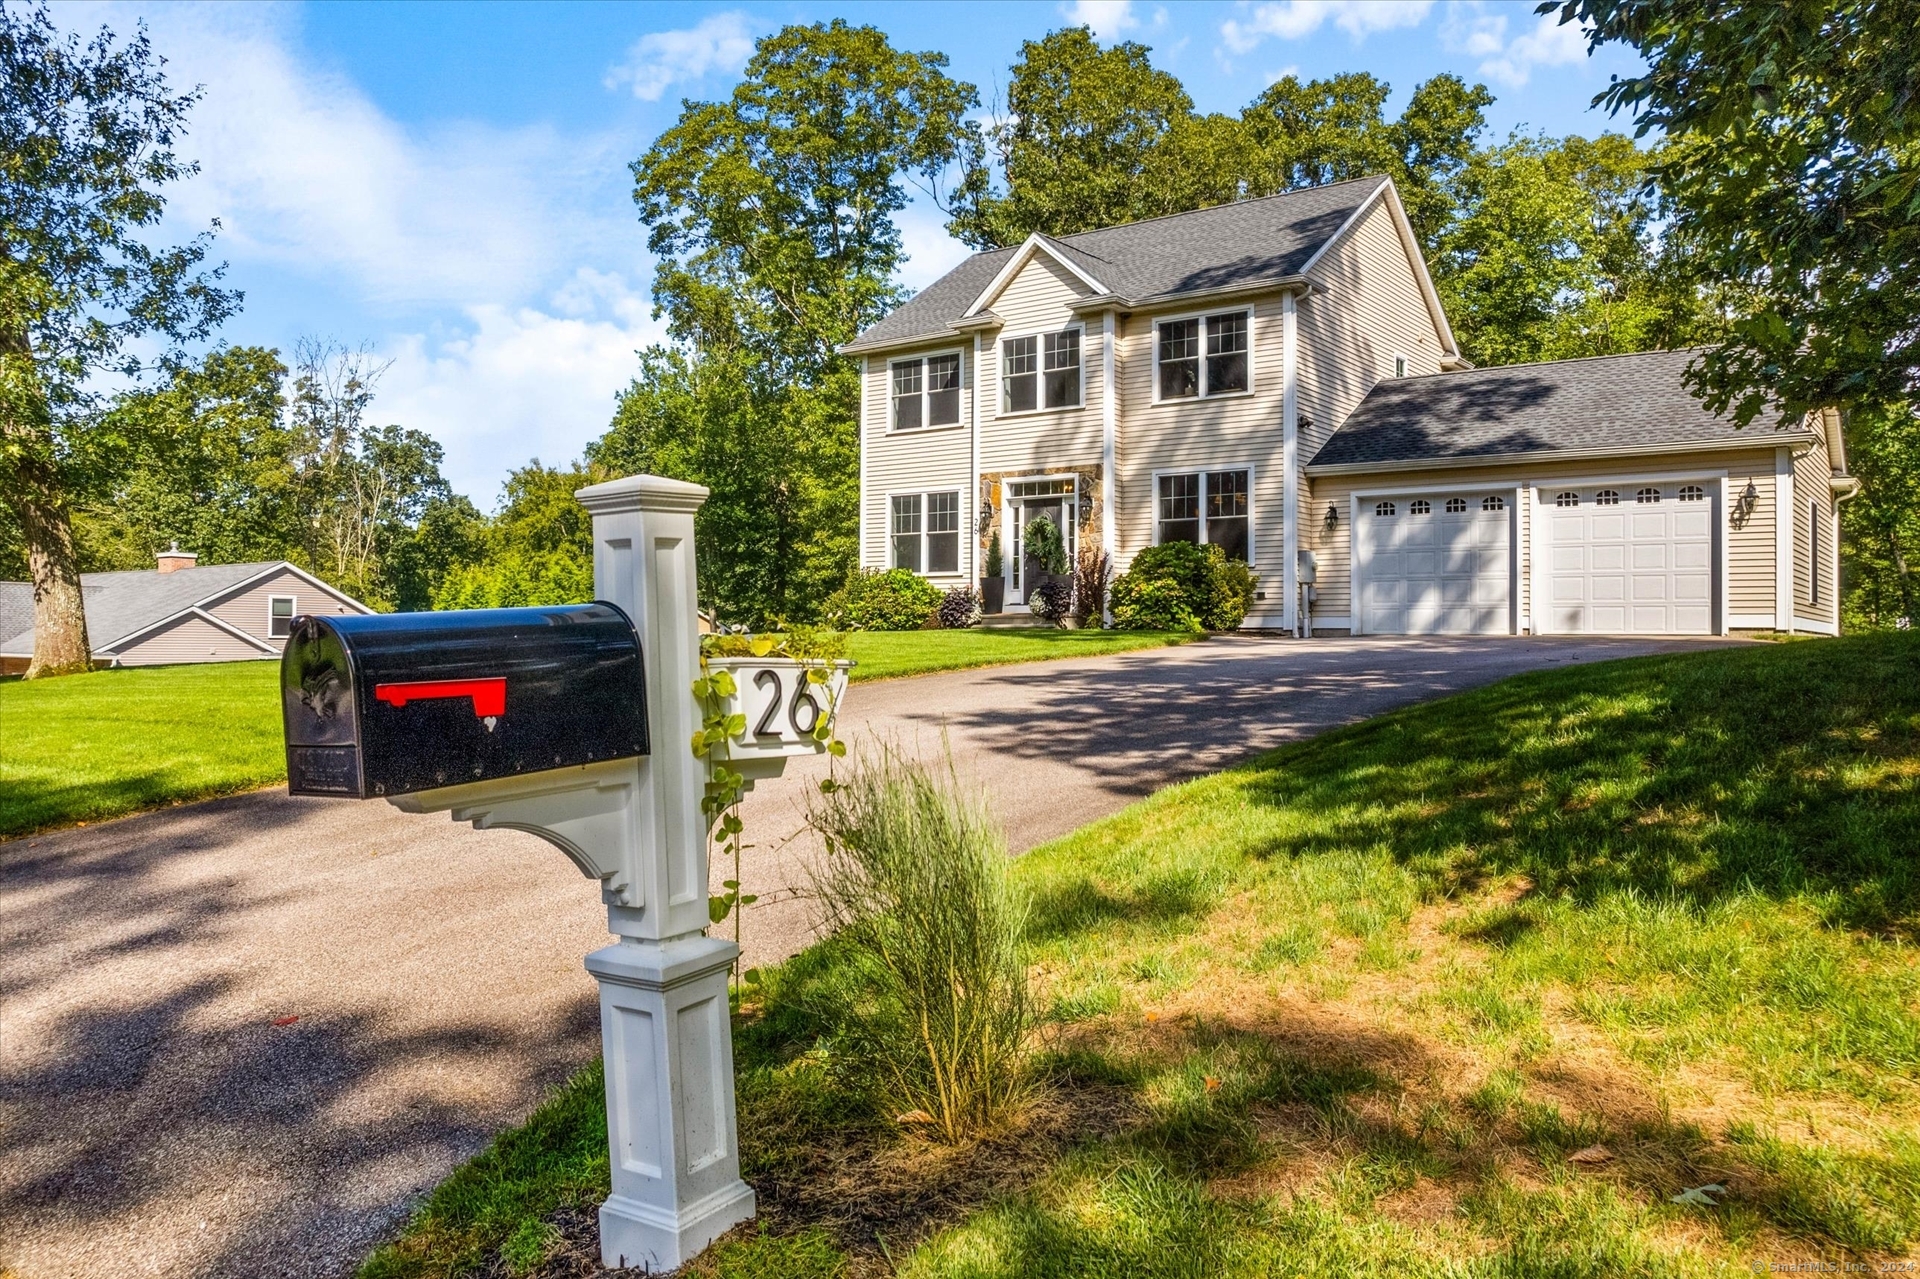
x=1722 y=568
x=1783 y=521
x=1513 y=491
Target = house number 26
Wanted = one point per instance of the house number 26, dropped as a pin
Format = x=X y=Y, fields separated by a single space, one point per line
x=802 y=697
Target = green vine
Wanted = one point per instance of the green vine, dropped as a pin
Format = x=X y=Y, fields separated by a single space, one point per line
x=816 y=651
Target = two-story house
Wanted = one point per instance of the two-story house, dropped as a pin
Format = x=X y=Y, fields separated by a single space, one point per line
x=1277 y=376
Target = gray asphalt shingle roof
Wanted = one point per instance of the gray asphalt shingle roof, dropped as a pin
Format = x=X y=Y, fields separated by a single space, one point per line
x=118 y=604
x=1245 y=242
x=1616 y=401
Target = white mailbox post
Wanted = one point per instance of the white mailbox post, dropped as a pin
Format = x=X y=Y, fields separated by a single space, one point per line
x=636 y=826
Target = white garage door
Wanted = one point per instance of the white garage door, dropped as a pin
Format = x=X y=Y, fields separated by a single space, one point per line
x=1630 y=559
x=1438 y=564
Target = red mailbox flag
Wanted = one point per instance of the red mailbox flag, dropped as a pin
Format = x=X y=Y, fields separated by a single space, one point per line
x=489 y=695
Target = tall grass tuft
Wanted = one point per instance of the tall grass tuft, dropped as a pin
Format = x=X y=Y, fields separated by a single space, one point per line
x=915 y=881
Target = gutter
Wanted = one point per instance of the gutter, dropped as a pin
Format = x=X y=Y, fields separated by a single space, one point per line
x=1788 y=439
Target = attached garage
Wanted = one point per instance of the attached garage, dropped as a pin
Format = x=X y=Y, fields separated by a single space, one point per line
x=1631 y=558
x=1437 y=563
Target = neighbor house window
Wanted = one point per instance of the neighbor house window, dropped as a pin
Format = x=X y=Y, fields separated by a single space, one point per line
x=926 y=392
x=1042 y=371
x=1207 y=506
x=926 y=532
x=280 y=610
x=1225 y=340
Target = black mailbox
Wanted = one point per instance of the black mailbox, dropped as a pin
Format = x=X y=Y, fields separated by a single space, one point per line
x=399 y=702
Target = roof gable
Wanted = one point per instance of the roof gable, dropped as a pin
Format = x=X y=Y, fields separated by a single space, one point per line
x=1036 y=245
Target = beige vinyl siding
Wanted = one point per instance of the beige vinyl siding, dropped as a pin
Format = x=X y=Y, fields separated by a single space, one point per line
x=190 y=639
x=247 y=609
x=1202 y=434
x=1749 y=545
x=929 y=459
x=1813 y=482
x=1040 y=300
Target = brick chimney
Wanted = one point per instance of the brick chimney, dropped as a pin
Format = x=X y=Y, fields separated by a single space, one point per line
x=173 y=557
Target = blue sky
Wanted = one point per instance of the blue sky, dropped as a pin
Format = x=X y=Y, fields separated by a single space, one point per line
x=448 y=183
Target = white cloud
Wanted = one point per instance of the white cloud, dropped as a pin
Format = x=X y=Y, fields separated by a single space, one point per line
x=1107 y=18
x=520 y=382
x=1296 y=19
x=1511 y=62
x=930 y=251
x=662 y=59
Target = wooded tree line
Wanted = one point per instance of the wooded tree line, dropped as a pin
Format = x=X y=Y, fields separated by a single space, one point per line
x=1767 y=209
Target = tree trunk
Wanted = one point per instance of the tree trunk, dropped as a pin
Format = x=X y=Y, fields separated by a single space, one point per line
x=60 y=645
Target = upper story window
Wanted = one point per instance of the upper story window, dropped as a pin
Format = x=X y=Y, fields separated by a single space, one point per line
x=1399 y=366
x=1040 y=371
x=926 y=392
x=280 y=611
x=1225 y=340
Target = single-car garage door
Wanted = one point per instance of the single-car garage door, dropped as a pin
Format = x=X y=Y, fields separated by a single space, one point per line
x=1629 y=559
x=1437 y=564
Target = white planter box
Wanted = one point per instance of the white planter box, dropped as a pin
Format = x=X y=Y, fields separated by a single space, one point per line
x=781 y=708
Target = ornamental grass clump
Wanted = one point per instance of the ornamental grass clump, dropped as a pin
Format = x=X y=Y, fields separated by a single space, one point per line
x=915 y=881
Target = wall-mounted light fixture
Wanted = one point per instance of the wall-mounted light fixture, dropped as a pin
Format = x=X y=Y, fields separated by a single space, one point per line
x=1333 y=517
x=986 y=517
x=1743 y=506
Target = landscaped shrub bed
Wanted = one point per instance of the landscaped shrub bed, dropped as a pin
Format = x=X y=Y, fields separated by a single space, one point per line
x=1179 y=586
x=882 y=600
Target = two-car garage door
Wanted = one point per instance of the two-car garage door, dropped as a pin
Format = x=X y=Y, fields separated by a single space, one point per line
x=1616 y=558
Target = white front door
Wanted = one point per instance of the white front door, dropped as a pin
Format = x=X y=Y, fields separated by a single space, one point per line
x=1436 y=564
x=1630 y=558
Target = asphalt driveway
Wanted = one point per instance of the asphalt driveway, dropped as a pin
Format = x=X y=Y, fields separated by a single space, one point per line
x=240 y=1037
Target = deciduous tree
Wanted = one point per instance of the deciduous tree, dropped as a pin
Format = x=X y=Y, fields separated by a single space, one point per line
x=86 y=142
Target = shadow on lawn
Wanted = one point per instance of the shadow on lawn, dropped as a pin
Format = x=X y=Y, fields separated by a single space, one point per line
x=1691 y=778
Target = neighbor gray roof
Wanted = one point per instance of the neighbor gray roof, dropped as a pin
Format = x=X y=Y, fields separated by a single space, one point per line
x=118 y=604
x=1608 y=402
x=1242 y=243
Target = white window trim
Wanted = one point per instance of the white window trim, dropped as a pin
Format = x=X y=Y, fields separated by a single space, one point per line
x=294 y=600
x=1006 y=522
x=1252 y=526
x=923 y=495
x=1719 y=497
x=1253 y=345
x=1402 y=365
x=1000 y=371
x=923 y=357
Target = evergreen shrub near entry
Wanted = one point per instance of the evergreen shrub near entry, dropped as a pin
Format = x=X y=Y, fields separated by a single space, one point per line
x=1182 y=586
x=882 y=600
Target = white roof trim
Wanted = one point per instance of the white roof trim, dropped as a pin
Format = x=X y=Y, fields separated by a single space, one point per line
x=1435 y=312
x=182 y=615
x=1034 y=243
x=1549 y=456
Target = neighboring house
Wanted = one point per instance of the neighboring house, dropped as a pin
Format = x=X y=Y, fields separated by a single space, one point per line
x=179 y=612
x=1278 y=376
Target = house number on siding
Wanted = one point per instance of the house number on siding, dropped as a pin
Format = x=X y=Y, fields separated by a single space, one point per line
x=802 y=696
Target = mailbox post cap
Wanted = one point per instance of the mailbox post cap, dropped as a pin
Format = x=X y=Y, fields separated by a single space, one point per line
x=641 y=493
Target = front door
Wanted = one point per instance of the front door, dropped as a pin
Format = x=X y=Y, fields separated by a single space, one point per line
x=1028 y=500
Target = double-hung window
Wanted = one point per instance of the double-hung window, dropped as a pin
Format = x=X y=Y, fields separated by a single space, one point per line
x=926 y=531
x=1041 y=371
x=926 y=392
x=1207 y=506
x=1204 y=355
x=280 y=611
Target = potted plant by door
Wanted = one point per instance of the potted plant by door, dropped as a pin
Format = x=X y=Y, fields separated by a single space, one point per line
x=993 y=587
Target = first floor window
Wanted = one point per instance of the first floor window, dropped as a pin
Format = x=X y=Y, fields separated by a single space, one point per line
x=1042 y=371
x=926 y=532
x=926 y=392
x=1207 y=506
x=280 y=610
x=1226 y=339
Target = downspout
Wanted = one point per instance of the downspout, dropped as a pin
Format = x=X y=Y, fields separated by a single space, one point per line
x=1290 y=464
x=1109 y=450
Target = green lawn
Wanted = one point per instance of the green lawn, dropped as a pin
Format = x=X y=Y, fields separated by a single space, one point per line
x=1480 y=988
x=86 y=747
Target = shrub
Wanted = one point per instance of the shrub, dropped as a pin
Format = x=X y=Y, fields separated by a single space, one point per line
x=1179 y=578
x=1051 y=598
x=882 y=600
x=1045 y=545
x=994 y=567
x=1091 y=577
x=960 y=609
x=915 y=879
